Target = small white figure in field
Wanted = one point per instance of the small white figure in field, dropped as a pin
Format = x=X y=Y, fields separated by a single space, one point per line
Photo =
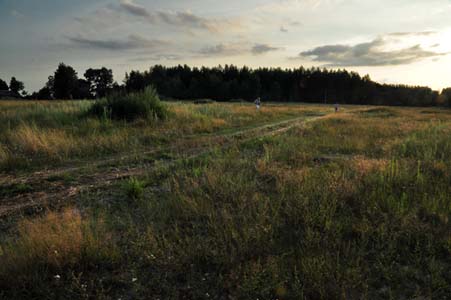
x=337 y=108
x=258 y=103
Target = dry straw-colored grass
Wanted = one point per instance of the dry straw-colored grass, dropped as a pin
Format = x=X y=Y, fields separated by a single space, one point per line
x=3 y=153
x=363 y=165
x=56 y=240
x=51 y=142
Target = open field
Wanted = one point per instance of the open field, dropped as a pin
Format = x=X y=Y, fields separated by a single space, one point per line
x=222 y=202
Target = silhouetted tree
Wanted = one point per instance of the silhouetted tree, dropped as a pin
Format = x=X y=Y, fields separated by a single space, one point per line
x=82 y=90
x=100 y=81
x=3 y=85
x=137 y=81
x=43 y=94
x=64 y=82
x=446 y=97
x=15 y=85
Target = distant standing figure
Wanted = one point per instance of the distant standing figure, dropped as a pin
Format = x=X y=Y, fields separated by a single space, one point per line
x=258 y=102
x=336 y=107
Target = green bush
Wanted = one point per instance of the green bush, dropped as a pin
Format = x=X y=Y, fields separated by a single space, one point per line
x=133 y=188
x=145 y=104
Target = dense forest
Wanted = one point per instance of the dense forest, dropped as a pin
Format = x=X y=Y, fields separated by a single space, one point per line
x=289 y=85
x=230 y=83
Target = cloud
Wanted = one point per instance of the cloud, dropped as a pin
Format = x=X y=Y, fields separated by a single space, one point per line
x=420 y=33
x=131 y=43
x=178 y=19
x=263 y=48
x=224 y=50
x=104 y=17
x=295 y=23
x=134 y=9
x=368 y=54
x=158 y=57
x=290 y=24
x=17 y=14
x=231 y=49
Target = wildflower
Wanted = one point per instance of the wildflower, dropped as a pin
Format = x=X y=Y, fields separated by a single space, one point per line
x=57 y=277
x=134 y=279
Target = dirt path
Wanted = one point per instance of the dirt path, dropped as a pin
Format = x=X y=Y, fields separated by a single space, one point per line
x=42 y=192
x=192 y=142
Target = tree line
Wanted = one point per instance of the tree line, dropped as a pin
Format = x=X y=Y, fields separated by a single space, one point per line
x=230 y=83
x=280 y=85
x=65 y=84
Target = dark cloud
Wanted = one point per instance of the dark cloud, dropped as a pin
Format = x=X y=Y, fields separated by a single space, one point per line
x=131 y=43
x=263 y=48
x=177 y=19
x=286 y=27
x=223 y=50
x=134 y=9
x=236 y=49
x=368 y=54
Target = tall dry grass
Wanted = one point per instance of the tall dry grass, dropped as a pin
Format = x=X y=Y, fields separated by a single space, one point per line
x=52 y=244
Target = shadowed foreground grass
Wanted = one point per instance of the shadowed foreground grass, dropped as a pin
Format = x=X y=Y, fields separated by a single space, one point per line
x=353 y=206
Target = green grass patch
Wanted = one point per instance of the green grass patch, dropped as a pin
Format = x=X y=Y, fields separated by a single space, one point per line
x=133 y=188
x=15 y=189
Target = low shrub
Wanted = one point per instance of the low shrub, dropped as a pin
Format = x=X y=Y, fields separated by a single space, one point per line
x=145 y=104
x=133 y=188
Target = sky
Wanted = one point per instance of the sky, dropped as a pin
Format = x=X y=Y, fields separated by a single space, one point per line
x=394 y=41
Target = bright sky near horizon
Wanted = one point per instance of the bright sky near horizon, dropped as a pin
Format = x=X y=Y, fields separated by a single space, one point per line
x=395 y=41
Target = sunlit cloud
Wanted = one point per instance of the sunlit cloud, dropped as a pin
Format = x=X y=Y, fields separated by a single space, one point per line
x=374 y=53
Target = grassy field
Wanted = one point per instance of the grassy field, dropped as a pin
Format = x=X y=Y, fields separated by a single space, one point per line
x=222 y=202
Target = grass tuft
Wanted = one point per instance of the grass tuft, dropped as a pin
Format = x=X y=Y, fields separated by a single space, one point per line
x=133 y=188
